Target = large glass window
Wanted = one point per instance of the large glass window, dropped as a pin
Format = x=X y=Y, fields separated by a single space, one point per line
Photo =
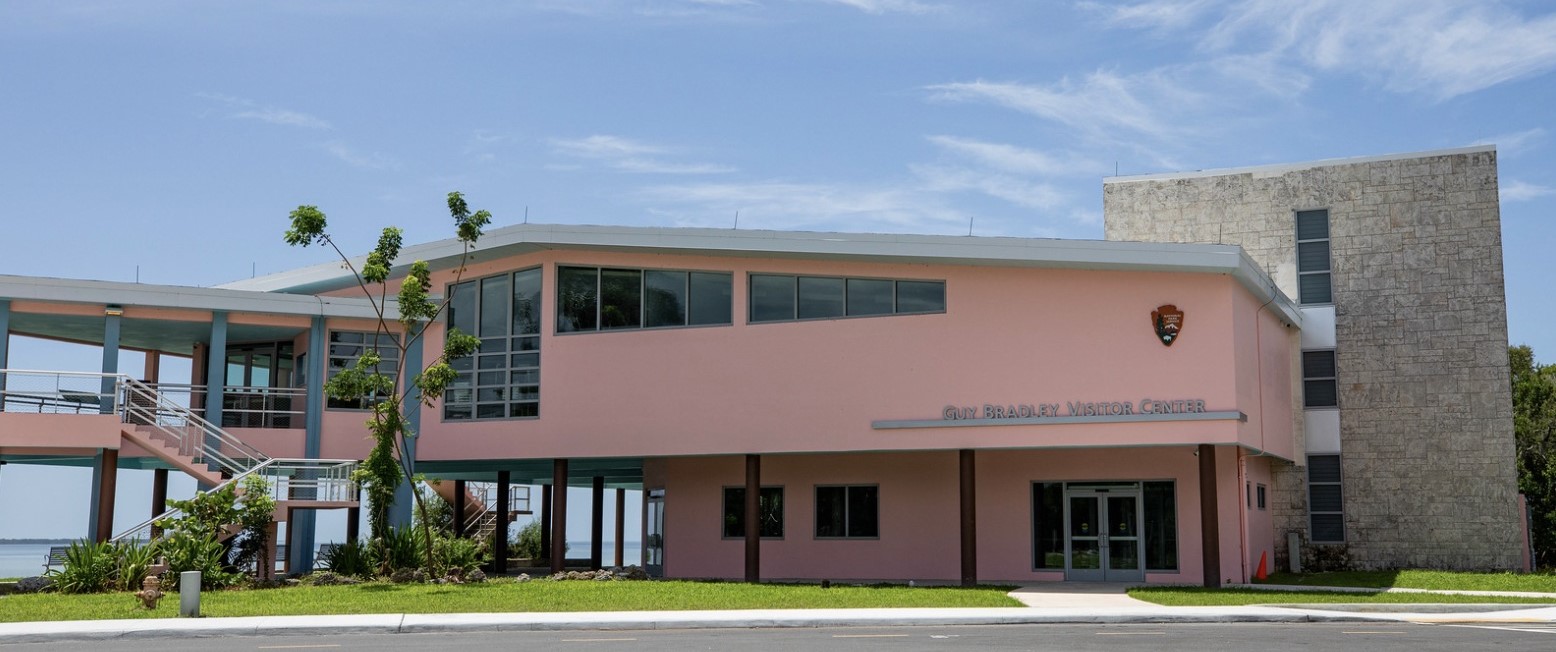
x=594 y=298
x=1048 y=525
x=502 y=380
x=783 y=297
x=1313 y=279
x=769 y=510
x=848 y=512
x=1319 y=388
x=1325 y=501
x=347 y=346
x=1161 y=525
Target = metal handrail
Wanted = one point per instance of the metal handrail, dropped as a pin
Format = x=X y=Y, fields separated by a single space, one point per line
x=336 y=483
x=145 y=406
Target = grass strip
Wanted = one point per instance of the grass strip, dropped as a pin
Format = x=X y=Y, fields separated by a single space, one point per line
x=1193 y=596
x=504 y=596
x=1544 y=582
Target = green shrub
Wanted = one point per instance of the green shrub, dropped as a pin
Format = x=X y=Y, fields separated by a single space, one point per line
x=191 y=552
x=89 y=568
x=133 y=561
x=526 y=544
x=463 y=555
x=399 y=549
x=350 y=559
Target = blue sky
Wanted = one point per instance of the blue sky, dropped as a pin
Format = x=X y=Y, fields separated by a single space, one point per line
x=175 y=136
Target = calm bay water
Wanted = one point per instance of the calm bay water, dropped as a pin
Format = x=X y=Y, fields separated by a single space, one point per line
x=22 y=559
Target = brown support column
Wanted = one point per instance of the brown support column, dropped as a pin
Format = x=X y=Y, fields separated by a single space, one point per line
x=621 y=525
x=459 y=508
x=105 y=494
x=158 y=497
x=500 y=532
x=545 y=523
x=558 y=515
x=353 y=524
x=753 y=518
x=597 y=525
x=1209 y=525
x=969 y=509
x=291 y=528
x=153 y=369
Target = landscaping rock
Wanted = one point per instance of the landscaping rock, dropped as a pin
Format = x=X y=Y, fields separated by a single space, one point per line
x=477 y=576
x=34 y=584
x=408 y=576
x=634 y=573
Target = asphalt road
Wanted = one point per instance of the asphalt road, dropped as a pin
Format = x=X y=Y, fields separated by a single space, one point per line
x=1373 y=637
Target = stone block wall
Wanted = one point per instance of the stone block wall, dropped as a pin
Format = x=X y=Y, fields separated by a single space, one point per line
x=1421 y=328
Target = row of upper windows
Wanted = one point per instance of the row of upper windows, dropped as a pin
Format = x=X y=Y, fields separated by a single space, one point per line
x=603 y=298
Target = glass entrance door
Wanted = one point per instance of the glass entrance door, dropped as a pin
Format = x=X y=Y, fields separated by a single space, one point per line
x=1102 y=535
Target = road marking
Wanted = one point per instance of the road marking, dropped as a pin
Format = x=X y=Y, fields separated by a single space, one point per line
x=1531 y=628
x=596 y=640
x=1371 y=632
x=871 y=635
x=1130 y=633
x=297 y=647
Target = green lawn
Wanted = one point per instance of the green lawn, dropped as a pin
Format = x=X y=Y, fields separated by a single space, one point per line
x=1544 y=582
x=1189 y=596
x=504 y=596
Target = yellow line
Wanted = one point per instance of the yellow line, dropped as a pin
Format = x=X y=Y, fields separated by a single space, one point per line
x=871 y=635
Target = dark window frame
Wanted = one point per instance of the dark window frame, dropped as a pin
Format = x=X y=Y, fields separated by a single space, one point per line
x=391 y=360
x=847 y=520
x=794 y=312
x=1261 y=494
x=1332 y=381
x=1338 y=483
x=1328 y=271
x=643 y=303
x=724 y=526
x=471 y=369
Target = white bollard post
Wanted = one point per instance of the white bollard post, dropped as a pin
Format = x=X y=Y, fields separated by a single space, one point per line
x=189 y=594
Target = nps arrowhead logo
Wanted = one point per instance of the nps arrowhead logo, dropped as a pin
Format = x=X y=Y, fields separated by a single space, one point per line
x=1168 y=321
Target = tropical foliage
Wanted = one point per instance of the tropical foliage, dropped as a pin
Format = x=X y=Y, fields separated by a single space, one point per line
x=1534 y=425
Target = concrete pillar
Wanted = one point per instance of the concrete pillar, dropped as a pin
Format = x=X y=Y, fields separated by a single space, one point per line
x=597 y=525
x=305 y=527
x=545 y=522
x=1209 y=524
x=5 y=344
x=459 y=508
x=152 y=372
x=400 y=514
x=500 y=533
x=216 y=369
x=558 y=515
x=621 y=525
x=110 y=357
x=969 y=522
x=353 y=524
x=753 y=518
x=158 y=497
x=105 y=475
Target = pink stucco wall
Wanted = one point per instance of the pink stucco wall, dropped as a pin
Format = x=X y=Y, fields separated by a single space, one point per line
x=919 y=513
x=1008 y=336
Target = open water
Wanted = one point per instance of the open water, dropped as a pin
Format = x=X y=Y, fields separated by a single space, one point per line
x=22 y=559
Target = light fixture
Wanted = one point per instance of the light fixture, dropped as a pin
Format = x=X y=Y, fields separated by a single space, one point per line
x=113 y=310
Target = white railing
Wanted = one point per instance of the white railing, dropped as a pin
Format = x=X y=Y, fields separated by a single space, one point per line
x=481 y=525
x=58 y=392
x=288 y=479
x=186 y=431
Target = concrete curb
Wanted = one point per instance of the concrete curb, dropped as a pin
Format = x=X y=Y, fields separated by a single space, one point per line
x=39 y=632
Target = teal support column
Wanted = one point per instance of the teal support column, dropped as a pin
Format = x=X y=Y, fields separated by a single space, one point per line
x=400 y=516
x=110 y=357
x=300 y=555
x=215 y=371
x=95 y=501
x=5 y=344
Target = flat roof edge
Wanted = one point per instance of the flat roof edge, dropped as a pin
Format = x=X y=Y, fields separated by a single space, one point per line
x=82 y=291
x=1281 y=168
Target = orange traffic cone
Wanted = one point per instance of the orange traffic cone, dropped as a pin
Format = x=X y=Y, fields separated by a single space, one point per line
x=1261 y=575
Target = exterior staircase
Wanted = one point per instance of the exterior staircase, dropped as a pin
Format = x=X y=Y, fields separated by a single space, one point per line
x=481 y=505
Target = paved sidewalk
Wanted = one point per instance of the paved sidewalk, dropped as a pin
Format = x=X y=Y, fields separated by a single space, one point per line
x=1051 y=604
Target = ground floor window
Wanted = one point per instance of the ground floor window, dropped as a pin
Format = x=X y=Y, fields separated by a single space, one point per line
x=848 y=512
x=1325 y=503
x=1161 y=526
x=770 y=511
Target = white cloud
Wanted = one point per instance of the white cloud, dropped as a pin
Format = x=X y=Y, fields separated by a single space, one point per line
x=1512 y=190
x=247 y=109
x=1021 y=192
x=1515 y=142
x=1104 y=106
x=629 y=155
x=1017 y=160
x=373 y=161
x=789 y=205
x=890 y=6
x=1441 y=48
